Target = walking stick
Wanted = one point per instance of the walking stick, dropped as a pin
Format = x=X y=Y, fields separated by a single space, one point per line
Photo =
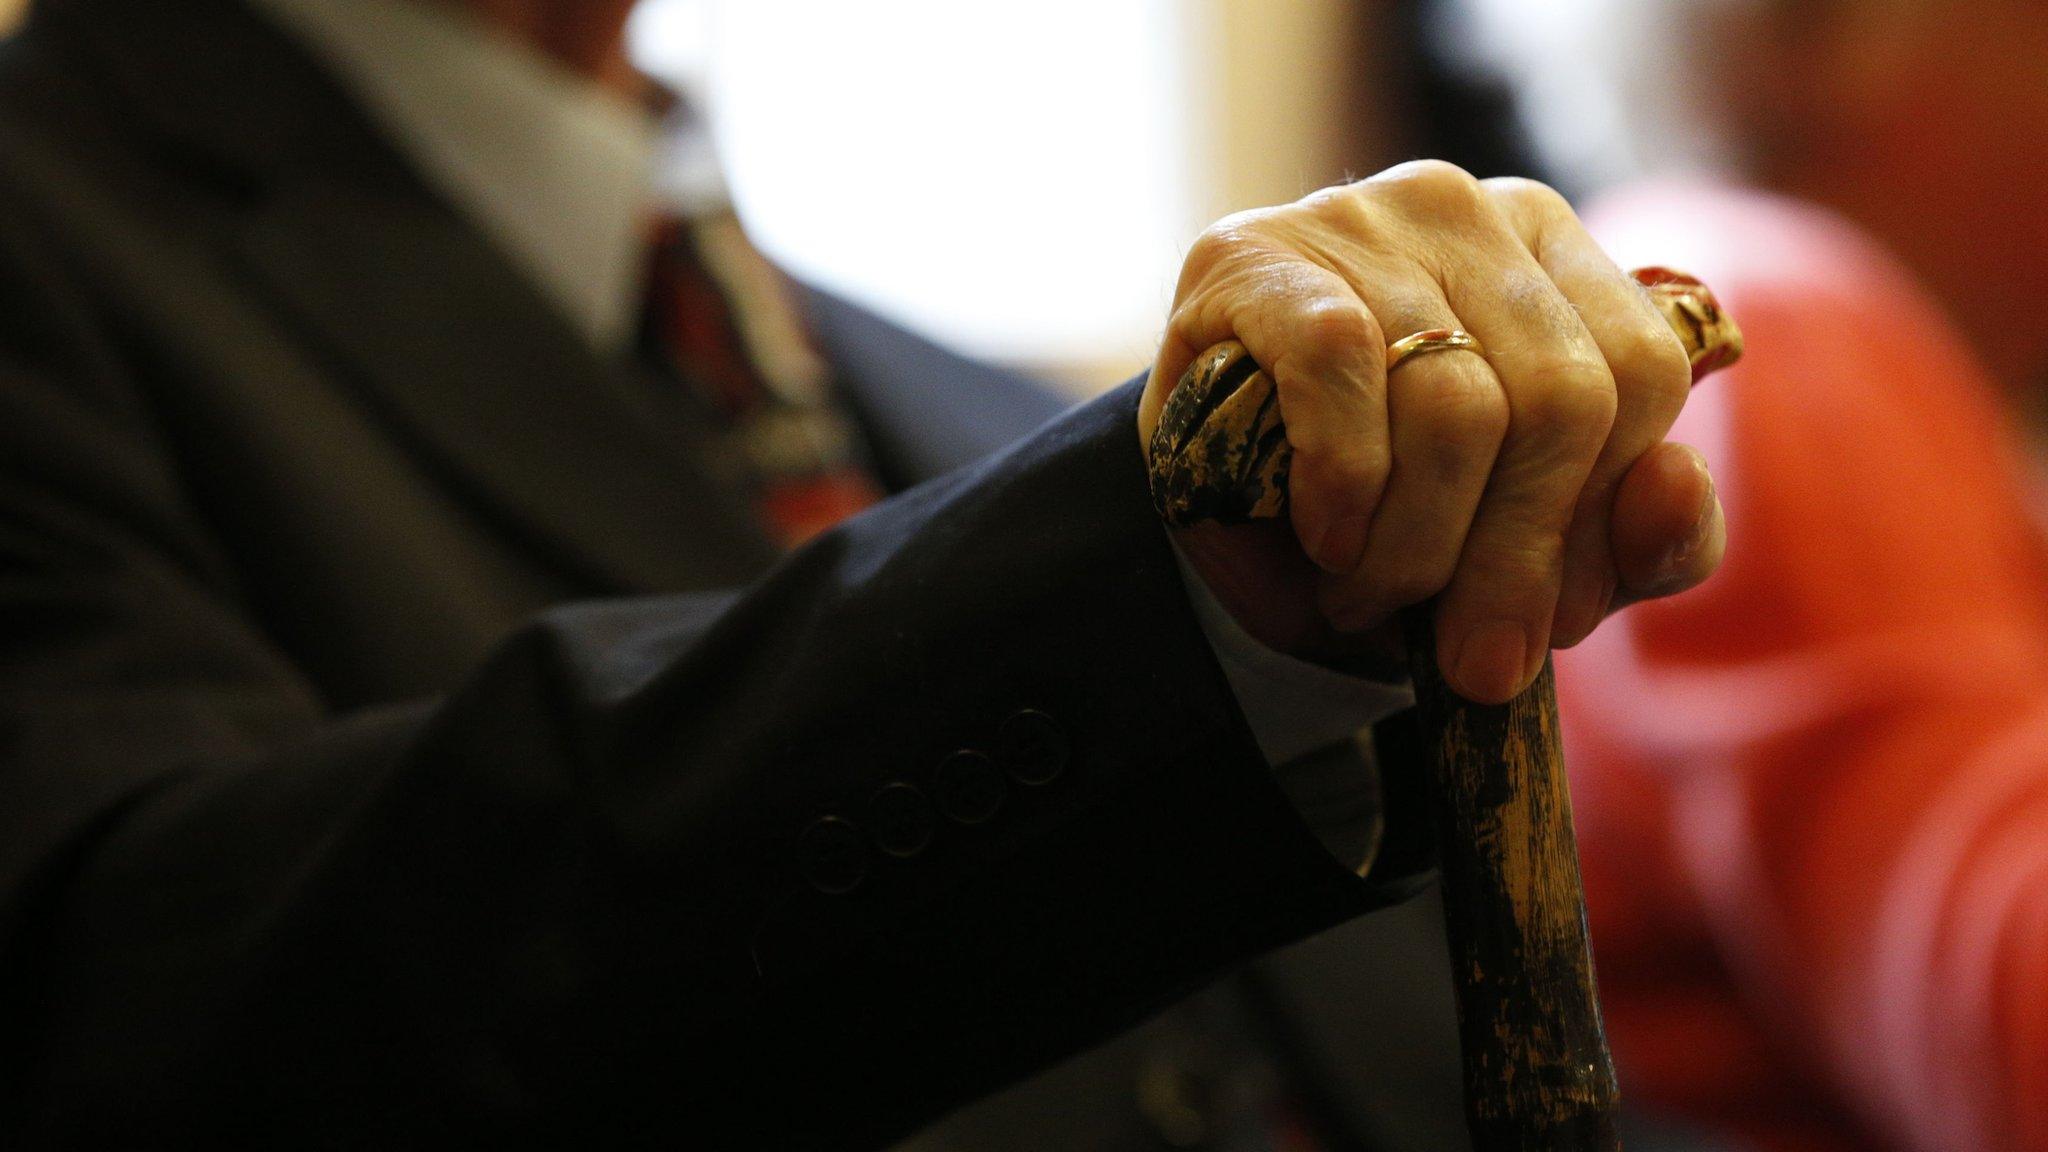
x=1538 y=1076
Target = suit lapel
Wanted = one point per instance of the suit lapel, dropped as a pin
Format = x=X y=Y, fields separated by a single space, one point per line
x=486 y=380
x=413 y=307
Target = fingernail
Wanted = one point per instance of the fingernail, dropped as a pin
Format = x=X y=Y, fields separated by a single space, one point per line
x=1341 y=546
x=1491 y=661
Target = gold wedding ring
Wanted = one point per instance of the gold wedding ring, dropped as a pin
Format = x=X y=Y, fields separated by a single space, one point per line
x=1430 y=340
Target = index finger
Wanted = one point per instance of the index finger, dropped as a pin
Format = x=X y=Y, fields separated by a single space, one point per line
x=1325 y=354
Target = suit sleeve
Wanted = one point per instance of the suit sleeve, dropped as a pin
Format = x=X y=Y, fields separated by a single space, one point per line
x=955 y=791
x=1850 y=721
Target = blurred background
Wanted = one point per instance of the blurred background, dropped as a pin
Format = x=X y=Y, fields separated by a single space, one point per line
x=1080 y=145
x=1101 y=134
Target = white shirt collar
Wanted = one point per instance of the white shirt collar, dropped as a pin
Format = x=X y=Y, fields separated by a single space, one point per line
x=559 y=172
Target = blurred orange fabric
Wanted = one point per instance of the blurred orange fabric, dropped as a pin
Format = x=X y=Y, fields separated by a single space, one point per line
x=1812 y=795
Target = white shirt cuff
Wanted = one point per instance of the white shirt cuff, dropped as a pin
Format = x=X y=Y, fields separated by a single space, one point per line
x=1308 y=721
x=1294 y=707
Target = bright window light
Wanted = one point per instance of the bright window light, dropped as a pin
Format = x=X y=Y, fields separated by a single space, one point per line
x=1010 y=178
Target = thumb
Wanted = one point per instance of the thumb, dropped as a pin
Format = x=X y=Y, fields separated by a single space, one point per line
x=1668 y=531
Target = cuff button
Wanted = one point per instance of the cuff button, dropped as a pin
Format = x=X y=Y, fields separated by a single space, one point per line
x=833 y=856
x=1032 y=747
x=970 y=789
x=902 y=819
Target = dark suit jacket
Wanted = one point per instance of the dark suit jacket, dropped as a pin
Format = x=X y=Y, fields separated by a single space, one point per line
x=327 y=818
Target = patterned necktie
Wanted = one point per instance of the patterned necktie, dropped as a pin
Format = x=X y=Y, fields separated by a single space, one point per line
x=727 y=322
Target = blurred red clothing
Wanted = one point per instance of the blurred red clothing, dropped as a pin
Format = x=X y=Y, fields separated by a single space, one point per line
x=1812 y=796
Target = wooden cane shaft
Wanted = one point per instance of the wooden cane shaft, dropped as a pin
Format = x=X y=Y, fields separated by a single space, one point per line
x=1537 y=1070
x=1538 y=1077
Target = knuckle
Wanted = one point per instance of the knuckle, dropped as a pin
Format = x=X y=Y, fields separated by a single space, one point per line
x=1216 y=244
x=1330 y=328
x=1231 y=237
x=1568 y=398
x=1194 y=317
x=1332 y=196
x=1359 y=471
x=1649 y=355
x=1341 y=206
x=1528 y=195
x=1431 y=187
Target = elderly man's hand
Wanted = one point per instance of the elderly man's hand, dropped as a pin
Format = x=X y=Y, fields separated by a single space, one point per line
x=1529 y=489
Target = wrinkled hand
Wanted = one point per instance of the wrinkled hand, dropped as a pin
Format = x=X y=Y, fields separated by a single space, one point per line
x=1529 y=490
